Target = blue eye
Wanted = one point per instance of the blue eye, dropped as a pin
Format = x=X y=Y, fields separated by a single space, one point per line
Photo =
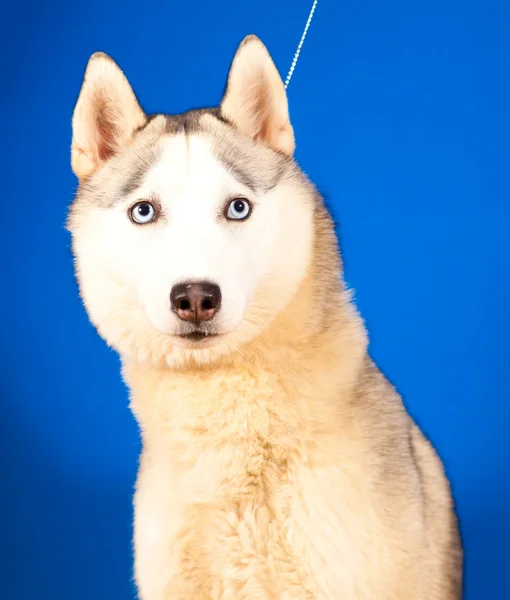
x=142 y=212
x=238 y=209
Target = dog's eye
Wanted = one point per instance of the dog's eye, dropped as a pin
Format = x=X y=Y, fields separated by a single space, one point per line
x=238 y=209
x=142 y=212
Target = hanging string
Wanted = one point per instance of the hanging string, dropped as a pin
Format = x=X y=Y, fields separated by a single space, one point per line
x=298 y=50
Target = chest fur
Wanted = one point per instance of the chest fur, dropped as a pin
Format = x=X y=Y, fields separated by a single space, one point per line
x=258 y=476
x=222 y=435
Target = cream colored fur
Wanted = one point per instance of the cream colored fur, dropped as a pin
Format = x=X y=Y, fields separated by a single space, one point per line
x=278 y=462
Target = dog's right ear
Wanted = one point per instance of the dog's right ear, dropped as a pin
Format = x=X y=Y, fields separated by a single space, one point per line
x=106 y=115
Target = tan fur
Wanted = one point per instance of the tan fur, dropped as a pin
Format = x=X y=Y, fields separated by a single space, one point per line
x=255 y=100
x=283 y=467
x=297 y=472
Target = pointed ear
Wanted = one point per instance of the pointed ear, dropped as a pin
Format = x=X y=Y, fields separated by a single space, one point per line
x=255 y=100
x=105 y=117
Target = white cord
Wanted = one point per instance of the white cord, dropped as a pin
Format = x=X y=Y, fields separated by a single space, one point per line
x=298 y=50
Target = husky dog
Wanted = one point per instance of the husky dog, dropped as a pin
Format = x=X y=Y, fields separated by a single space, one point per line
x=278 y=462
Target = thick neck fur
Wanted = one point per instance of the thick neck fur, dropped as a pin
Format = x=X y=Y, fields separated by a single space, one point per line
x=272 y=399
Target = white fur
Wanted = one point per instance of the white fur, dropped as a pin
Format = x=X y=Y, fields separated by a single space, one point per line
x=257 y=263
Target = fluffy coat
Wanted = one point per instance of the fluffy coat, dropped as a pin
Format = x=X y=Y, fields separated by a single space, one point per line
x=277 y=462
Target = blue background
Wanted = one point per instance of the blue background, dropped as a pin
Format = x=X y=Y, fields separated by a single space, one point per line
x=401 y=111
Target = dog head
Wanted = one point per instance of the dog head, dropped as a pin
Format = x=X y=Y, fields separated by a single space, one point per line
x=191 y=233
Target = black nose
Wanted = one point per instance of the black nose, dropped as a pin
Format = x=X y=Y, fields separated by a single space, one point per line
x=195 y=301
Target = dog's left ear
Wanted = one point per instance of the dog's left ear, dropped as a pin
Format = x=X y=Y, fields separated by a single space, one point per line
x=106 y=115
x=255 y=100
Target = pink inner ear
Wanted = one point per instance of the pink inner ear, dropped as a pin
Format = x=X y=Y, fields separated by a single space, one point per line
x=107 y=132
x=259 y=109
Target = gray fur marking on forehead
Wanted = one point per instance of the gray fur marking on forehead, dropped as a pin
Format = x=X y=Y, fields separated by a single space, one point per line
x=252 y=169
x=255 y=166
x=161 y=125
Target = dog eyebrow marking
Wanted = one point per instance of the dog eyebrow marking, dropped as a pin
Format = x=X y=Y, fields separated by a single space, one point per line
x=257 y=167
x=145 y=154
x=260 y=176
x=140 y=167
x=231 y=164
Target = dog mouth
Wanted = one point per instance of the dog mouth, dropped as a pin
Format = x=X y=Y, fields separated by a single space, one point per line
x=197 y=336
